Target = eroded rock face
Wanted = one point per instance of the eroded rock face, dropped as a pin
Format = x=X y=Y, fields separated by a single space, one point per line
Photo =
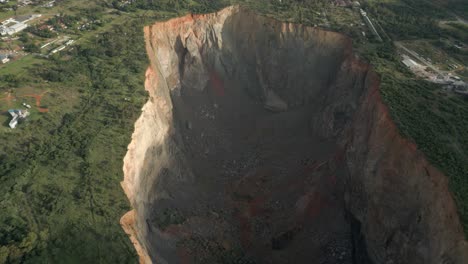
x=267 y=142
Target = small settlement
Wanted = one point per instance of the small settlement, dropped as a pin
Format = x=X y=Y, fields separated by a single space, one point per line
x=429 y=72
x=12 y=26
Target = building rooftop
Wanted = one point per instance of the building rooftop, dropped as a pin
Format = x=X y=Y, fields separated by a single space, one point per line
x=17 y=114
x=410 y=63
x=23 y=18
x=18 y=26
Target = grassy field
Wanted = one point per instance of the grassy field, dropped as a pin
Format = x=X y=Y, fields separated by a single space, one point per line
x=60 y=171
x=20 y=67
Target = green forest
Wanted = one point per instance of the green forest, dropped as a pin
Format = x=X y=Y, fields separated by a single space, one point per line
x=61 y=198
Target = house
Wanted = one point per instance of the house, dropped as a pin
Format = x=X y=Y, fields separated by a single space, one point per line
x=4 y=58
x=17 y=115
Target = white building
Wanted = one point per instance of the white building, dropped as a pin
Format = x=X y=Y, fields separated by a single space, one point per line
x=17 y=28
x=410 y=63
x=4 y=59
x=17 y=114
x=13 y=29
x=58 y=49
x=12 y=26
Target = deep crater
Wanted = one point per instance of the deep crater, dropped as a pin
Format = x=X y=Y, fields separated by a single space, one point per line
x=267 y=142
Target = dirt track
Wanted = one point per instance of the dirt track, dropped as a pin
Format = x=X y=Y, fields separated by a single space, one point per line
x=9 y=98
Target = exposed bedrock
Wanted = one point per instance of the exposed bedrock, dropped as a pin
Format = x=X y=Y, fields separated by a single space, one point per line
x=268 y=142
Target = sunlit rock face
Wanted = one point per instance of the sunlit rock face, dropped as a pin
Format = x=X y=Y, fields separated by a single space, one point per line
x=268 y=142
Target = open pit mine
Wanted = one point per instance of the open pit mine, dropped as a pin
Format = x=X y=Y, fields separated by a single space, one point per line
x=268 y=142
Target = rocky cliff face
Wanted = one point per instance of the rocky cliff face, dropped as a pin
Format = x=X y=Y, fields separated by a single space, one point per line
x=268 y=142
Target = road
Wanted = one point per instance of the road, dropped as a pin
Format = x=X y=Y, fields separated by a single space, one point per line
x=461 y=20
x=457 y=19
x=414 y=54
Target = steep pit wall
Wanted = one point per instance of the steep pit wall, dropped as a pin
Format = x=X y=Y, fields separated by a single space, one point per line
x=268 y=142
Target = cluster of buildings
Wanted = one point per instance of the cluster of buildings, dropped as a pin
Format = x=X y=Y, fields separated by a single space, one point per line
x=450 y=82
x=62 y=47
x=12 y=26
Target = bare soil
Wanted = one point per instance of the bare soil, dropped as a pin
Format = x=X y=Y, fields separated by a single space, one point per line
x=264 y=174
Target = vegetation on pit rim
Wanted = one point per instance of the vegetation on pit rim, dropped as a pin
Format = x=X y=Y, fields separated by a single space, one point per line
x=59 y=175
x=61 y=200
x=431 y=117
